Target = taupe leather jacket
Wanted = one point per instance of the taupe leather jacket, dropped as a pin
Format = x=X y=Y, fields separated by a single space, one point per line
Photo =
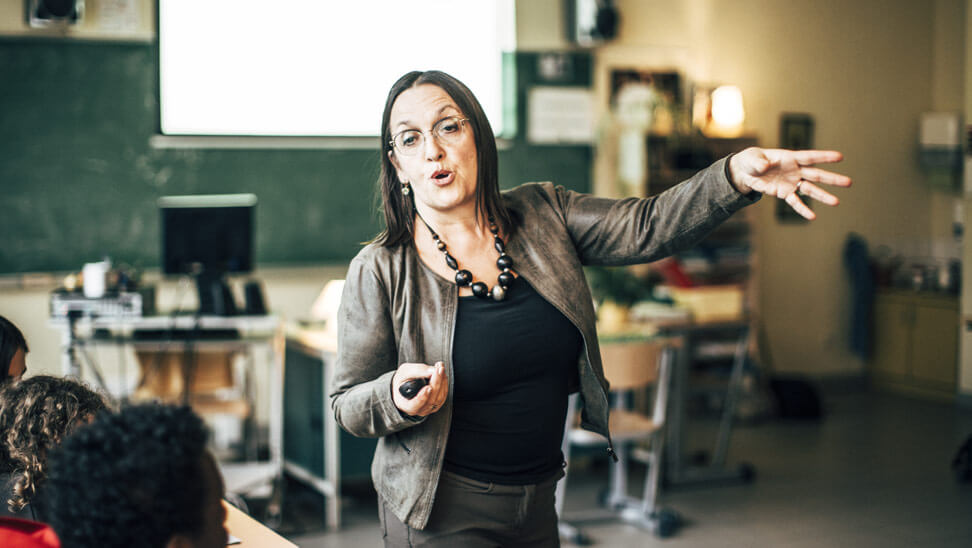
x=396 y=310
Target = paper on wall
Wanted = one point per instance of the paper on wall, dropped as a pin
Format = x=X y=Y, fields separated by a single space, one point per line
x=560 y=115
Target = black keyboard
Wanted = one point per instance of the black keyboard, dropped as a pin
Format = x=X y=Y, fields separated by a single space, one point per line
x=185 y=334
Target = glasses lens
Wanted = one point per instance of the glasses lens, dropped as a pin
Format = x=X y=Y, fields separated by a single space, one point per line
x=448 y=129
x=408 y=141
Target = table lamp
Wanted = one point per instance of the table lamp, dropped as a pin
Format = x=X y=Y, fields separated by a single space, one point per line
x=326 y=304
x=728 y=114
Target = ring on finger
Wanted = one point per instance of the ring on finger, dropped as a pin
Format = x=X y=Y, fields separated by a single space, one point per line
x=796 y=190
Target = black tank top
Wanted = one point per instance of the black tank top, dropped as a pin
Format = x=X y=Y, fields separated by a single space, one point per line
x=512 y=361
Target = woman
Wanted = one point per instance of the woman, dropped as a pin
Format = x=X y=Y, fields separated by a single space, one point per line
x=13 y=351
x=473 y=458
x=35 y=415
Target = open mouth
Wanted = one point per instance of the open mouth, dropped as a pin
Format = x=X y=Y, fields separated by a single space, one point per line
x=441 y=174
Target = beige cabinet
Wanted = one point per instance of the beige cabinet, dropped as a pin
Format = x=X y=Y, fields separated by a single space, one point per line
x=916 y=343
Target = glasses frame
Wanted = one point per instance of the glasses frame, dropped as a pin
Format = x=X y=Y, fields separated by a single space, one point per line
x=461 y=120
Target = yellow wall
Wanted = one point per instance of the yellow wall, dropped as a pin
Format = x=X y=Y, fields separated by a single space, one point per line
x=965 y=370
x=865 y=70
x=948 y=85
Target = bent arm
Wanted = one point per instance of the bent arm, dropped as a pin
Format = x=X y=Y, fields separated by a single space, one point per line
x=362 y=400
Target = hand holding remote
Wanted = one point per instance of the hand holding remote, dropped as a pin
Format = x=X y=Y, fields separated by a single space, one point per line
x=420 y=390
x=411 y=387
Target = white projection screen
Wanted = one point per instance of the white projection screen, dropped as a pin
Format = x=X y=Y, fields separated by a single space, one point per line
x=318 y=67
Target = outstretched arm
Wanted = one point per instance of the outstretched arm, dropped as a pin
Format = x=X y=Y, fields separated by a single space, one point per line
x=787 y=175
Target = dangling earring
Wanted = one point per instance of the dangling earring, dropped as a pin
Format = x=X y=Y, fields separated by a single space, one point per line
x=406 y=188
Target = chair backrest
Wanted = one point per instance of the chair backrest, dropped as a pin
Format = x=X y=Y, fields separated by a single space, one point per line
x=636 y=365
x=630 y=365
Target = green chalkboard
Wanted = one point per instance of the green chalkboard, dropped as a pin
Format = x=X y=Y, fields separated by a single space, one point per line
x=79 y=181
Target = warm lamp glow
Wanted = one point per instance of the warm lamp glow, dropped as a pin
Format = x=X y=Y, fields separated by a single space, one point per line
x=727 y=110
x=326 y=305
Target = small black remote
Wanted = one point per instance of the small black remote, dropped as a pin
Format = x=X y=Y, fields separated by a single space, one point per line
x=411 y=387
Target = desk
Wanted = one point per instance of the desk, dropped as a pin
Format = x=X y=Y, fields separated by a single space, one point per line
x=252 y=533
x=255 y=331
x=320 y=345
x=317 y=451
x=677 y=472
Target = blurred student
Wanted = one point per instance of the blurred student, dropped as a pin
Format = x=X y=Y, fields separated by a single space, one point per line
x=140 y=477
x=35 y=415
x=13 y=351
x=23 y=533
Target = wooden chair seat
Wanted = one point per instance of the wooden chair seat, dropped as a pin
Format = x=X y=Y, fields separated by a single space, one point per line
x=625 y=425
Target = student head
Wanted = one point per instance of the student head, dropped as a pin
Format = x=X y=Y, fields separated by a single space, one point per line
x=35 y=415
x=13 y=351
x=140 y=477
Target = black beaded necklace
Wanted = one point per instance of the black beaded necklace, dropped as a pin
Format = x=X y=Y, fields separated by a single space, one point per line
x=464 y=277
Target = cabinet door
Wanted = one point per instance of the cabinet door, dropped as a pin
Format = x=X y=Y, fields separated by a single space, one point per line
x=892 y=326
x=934 y=358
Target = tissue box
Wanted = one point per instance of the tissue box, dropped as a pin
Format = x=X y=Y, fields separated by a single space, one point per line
x=710 y=303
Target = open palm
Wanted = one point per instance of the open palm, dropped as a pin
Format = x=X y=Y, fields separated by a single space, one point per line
x=788 y=174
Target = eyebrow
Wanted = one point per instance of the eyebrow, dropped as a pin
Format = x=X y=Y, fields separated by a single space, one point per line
x=439 y=112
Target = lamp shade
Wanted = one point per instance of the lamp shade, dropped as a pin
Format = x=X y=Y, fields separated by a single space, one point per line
x=326 y=305
x=728 y=113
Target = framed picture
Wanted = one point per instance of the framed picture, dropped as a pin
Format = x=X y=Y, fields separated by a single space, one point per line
x=796 y=132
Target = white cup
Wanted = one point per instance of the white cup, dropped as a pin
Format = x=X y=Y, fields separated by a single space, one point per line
x=95 y=275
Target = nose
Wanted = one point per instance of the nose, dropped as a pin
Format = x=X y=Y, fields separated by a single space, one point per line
x=433 y=151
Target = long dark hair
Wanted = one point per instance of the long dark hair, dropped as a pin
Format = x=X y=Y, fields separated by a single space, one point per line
x=397 y=207
x=11 y=340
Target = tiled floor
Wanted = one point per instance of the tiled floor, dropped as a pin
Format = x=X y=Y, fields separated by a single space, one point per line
x=875 y=472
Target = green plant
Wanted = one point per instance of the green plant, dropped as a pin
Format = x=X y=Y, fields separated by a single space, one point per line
x=617 y=284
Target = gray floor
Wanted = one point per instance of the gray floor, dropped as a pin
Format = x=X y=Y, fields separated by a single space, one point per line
x=875 y=472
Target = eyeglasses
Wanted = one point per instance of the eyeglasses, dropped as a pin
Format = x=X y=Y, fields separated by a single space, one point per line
x=411 y=141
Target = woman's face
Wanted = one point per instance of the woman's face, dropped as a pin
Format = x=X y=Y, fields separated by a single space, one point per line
x=18 y=365
x=443 y=175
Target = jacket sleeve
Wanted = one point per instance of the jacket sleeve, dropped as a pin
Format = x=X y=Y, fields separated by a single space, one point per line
x=367 y=358
x=606 y=231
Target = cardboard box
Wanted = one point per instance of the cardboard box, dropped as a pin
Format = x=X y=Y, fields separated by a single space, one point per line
x=710 y=303
x=163 y=375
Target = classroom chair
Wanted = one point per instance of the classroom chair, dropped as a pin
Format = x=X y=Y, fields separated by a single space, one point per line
x=632 y=369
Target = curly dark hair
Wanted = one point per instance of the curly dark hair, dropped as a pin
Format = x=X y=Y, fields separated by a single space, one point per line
x=134 y=478
x=35 y=415
x=11 y=340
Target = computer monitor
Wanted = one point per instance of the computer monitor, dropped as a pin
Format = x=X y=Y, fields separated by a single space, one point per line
x=208 y=236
